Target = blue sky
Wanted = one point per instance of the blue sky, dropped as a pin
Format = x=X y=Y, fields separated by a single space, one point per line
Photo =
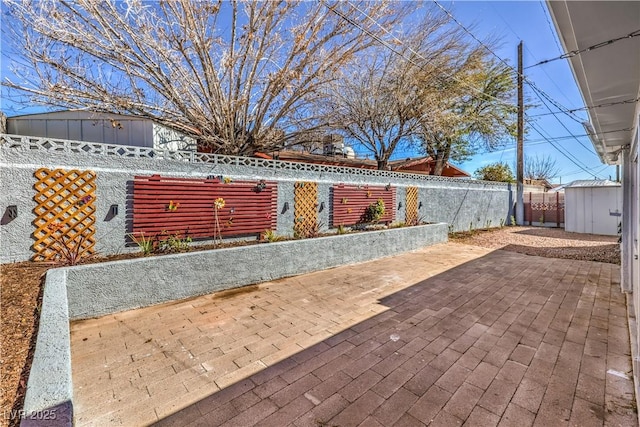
x=511 y=21
x=530 y=22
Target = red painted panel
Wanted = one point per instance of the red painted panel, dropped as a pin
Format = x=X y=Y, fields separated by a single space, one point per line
x=246 y=210
x=351 y=201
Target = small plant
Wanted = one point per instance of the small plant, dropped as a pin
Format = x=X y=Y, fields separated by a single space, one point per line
x=368 y=194
x=68 y=250
x=487 y=224
x=227 y=180
x=450 y=228
x=416 y=221
x=344 y=201
x=349 y=210
x=541 y=219
x=170 y=243
x=512 y=219
x=501 y=222
x=342 y=229
x=260 y=186
x=145 y=244
x=399 y=224
x=86 y=199
x=172 y=207
x=374 y=212
x=271 y=236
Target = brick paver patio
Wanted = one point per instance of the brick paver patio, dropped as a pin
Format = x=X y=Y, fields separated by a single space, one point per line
x=448 y=335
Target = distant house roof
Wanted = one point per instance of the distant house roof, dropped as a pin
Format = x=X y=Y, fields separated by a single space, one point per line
x=420 y=165
x=540 y=183
x=426 y=165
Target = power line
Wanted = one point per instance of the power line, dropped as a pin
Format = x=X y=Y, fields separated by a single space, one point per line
x=553 y=33
x=564 y=126
x=575 y=52
x=591 y=107
x=400 y=42
x=526 y=80
x=571 y=158
x=558 y=138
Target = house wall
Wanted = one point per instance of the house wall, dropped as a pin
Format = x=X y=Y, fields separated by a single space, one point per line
x=462 y=204
x=630 y=268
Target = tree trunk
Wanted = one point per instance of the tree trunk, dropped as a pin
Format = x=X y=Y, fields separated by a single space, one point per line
x=382 y=165
x=439 y=166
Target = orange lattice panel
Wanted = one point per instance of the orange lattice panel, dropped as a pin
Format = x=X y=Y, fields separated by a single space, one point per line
x=65 y=212
x=305 y=199
x=411 y=213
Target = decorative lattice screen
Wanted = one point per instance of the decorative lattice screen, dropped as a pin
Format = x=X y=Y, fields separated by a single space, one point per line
x=65 y=212
x=306 y=208
x=411 y=216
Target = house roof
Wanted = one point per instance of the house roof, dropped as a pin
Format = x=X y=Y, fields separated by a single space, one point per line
x=609 y=76
x=405 y=165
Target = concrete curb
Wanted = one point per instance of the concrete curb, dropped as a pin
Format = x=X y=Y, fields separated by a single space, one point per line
x=49 y=396
x=98 y=289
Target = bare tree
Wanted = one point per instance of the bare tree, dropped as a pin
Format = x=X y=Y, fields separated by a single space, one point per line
x=540 y=168
x=238 y=76
x=466 y=107
x=375 y=100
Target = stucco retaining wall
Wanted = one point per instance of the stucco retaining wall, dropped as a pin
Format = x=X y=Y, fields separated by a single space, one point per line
x=97 y=289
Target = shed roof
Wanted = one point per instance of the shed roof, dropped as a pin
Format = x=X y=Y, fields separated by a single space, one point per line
x=592 y=183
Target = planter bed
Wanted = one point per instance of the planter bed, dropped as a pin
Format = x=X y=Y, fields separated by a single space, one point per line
x=98 y=289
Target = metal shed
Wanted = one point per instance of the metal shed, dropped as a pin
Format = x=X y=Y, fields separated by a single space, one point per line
x=593 y=207
x=103 y=128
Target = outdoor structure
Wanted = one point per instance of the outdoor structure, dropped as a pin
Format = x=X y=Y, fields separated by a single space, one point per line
x=611 y=75
x=99 y=127
x=593 y=207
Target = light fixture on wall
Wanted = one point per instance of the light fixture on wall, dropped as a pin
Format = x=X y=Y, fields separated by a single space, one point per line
x=12 y=211
x=285 y=207
x=113 y=210
x=321 y=207
x=420 y=205
x=399 y=205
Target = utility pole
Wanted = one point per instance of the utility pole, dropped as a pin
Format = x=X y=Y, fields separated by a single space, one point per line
x=520 y=144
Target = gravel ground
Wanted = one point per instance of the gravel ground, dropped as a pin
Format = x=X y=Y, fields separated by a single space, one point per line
x=546 y=242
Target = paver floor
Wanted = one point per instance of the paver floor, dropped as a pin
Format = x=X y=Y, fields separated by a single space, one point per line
x=448 y=335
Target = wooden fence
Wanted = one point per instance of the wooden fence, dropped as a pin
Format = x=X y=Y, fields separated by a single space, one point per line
x=178 y=205
x=544 y=208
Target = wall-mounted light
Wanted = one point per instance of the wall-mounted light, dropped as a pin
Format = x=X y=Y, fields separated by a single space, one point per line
x=12 y=211
x=285 y=207
x=321 y=207
x=113 y=210
x=420 y=205
x=399 y=205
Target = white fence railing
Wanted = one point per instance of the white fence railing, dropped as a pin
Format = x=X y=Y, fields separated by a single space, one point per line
x=95 y=148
